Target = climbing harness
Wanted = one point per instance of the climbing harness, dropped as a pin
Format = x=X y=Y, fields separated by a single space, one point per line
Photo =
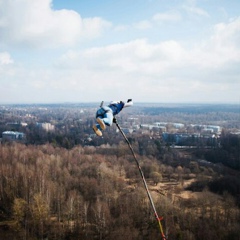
x=144 y=181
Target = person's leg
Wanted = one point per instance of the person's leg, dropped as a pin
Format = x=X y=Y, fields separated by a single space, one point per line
x=96 y=127
x=106 y=118
x=97 y=130
x=99 y=116
x=101 y=124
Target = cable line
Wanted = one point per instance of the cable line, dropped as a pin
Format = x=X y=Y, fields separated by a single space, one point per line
x=144 y=181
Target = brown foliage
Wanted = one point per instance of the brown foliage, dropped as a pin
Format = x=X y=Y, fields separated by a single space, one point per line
x=57 y=193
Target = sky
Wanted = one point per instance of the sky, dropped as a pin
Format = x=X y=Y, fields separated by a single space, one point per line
x=178 y=51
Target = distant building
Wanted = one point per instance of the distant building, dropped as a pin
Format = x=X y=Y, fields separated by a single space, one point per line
x=160 y=124
x=178 y=125
x=207 y=128
x=46 y=126
x=180 y=138
x=12 y=136
x=146 y=126
x=212 y=129
x=154 y=127
x=127 y=130
x=16 y=124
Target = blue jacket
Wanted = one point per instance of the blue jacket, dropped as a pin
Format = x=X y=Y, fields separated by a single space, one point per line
x=116 y=107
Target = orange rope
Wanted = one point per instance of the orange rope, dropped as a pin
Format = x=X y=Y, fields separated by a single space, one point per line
x=161 y=228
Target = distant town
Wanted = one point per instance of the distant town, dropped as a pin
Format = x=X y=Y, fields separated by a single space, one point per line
x=70 y=124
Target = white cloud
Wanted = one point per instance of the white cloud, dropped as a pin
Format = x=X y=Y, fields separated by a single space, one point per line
x=196 y=11
x=93 y=27
x=5 y=58
x=167 y=16
x=227 y=34
x=170 y=16
x=191 y=8
x=132 y=56
x=222 y=48
x=7 y=68
x=36 y=23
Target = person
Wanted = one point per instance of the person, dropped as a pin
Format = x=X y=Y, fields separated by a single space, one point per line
x=105 y=115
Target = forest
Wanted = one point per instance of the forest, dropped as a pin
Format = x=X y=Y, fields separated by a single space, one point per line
x=49 y=192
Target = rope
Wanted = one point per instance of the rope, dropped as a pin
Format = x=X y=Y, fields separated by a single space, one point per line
x=144 y=181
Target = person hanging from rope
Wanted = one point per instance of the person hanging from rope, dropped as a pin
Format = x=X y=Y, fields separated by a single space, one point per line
x=105 y=115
